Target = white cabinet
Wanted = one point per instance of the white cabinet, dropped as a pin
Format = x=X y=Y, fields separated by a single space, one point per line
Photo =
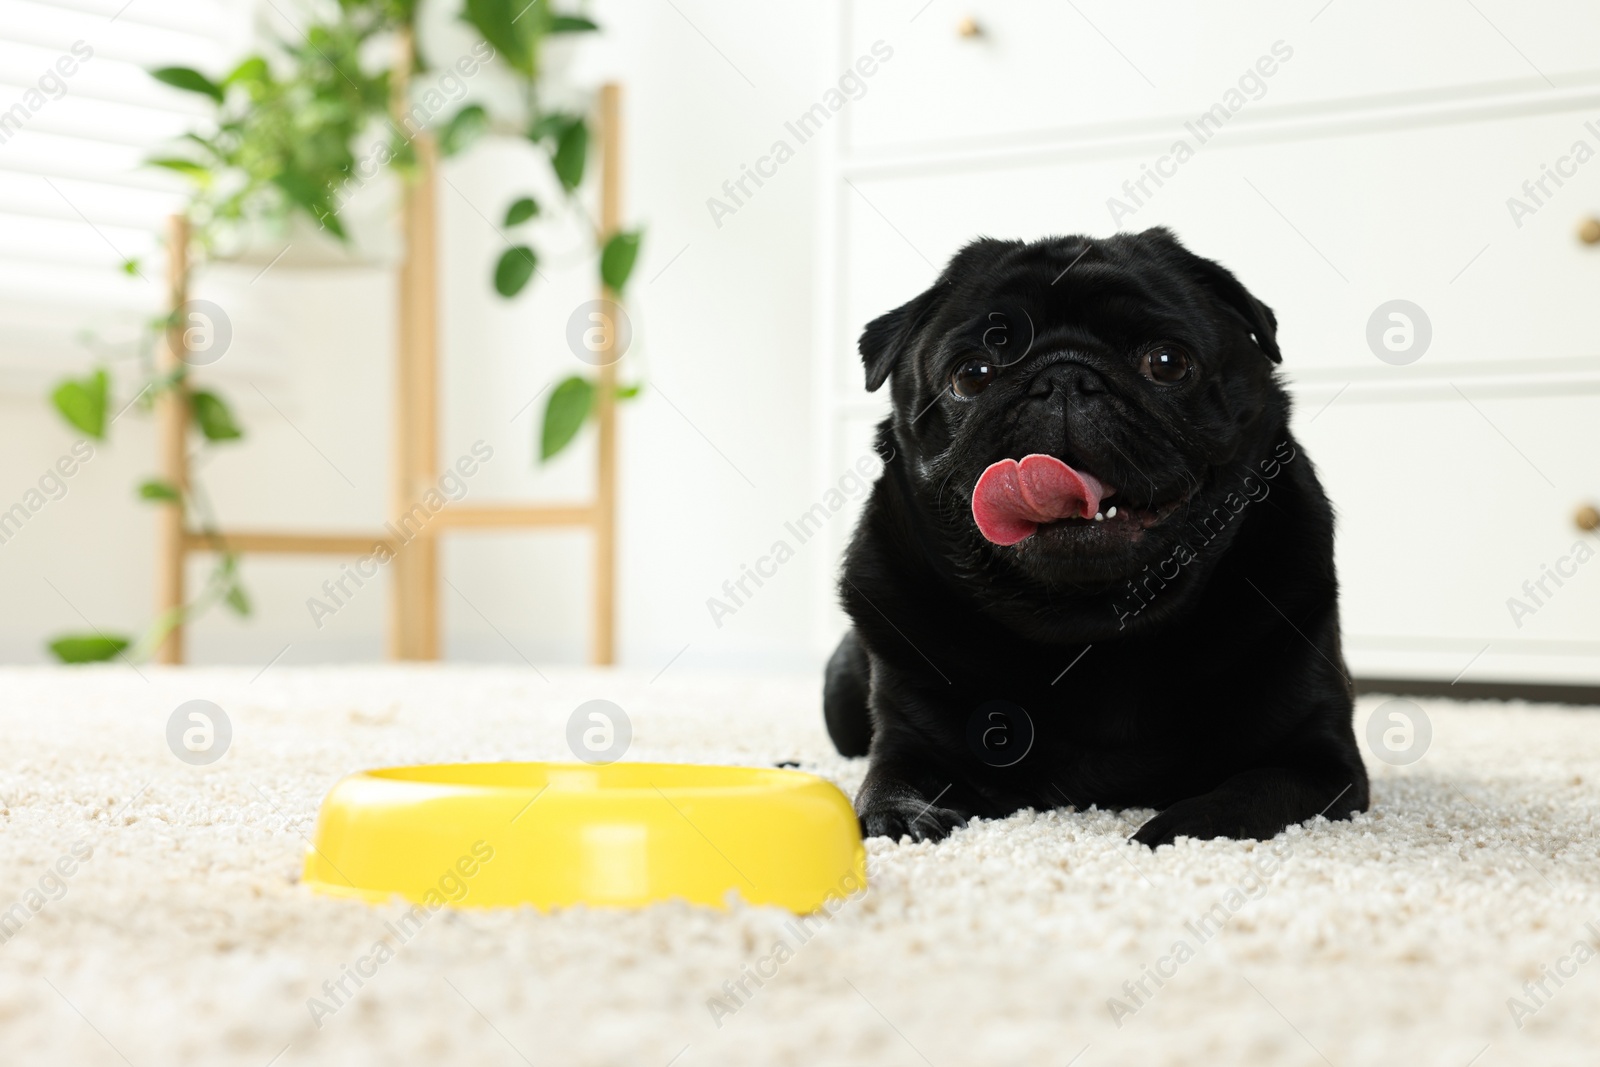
x=1379 y=163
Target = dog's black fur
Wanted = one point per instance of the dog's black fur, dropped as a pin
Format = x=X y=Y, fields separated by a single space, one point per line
x=1213 y=689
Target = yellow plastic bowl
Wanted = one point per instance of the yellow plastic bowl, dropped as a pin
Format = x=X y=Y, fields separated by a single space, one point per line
x=554 y=834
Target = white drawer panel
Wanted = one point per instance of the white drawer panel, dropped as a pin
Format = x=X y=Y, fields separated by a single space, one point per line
x=1325 y=230
x=1040 y=69
x=1445 y=509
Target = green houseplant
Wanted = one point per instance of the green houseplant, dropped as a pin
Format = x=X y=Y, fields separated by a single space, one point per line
x=283 y=142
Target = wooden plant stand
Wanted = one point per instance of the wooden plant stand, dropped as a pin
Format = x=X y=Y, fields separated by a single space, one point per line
x=413 y=632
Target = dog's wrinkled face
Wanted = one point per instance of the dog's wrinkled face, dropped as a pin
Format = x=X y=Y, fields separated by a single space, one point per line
x=1066 y=405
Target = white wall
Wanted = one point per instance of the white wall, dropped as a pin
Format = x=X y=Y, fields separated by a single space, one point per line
x=724 y=333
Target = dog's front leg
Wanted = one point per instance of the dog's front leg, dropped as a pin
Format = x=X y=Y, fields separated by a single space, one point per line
x=1259 y=804
x=902 y=796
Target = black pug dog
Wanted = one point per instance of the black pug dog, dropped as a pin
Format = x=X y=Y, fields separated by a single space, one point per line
x=1097 y=568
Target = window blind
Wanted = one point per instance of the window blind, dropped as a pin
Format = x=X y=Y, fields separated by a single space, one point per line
x=79 y=114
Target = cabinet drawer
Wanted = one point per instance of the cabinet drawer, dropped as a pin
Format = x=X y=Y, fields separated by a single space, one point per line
x=1456 y=531
x=1039 y=70
x=1325 y=229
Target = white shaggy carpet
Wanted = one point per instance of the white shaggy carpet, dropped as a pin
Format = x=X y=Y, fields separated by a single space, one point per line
x=185 y=939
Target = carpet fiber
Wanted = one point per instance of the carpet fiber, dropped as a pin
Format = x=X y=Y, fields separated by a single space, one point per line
x=1405 y=937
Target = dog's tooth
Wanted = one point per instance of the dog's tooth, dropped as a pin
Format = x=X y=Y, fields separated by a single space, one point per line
x=1112 y=513
x=1099 y=516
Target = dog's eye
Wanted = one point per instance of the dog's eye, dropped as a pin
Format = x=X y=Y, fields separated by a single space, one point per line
x=1167 y=364
x=972 y=377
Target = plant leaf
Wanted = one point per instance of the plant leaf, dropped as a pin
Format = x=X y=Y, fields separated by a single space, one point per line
x=186 y=167
x=156 y=489
x=237 y=599
x=550 y=124
x=564 y=415
x=509 y=26
x=572 y=150
x=617 y=259
x=88 y=648
x=468 y=124
x=514 y=270
x=521 y=211
x=253 y=70
x=402 y=153
x=313 y=198
x=213 y=416
x=188 y=80
x=628 y=392
x=570 y=24
x=82 y=402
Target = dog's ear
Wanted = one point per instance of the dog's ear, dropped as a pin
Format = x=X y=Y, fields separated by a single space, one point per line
x=887 y=336
x=1258 y=317
x=1239 y=301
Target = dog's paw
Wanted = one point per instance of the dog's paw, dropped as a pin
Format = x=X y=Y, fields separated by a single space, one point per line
x=1201 y=818
x=910 y=818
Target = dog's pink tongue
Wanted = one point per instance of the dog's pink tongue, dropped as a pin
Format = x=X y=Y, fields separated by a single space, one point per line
x=1012 y=499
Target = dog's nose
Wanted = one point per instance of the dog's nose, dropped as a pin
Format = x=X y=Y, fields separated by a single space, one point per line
x=1070 y=377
